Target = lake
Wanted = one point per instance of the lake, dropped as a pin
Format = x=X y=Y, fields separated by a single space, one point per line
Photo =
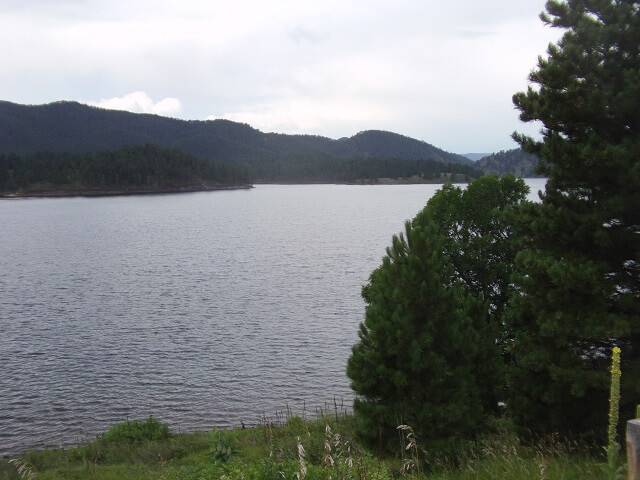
x=201 y=309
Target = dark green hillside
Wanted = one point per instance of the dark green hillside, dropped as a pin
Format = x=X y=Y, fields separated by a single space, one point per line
x=77 y=128
x=515 y=161
x=127 y=170
x=73 y=127
x=381 y=144
x=325 y=169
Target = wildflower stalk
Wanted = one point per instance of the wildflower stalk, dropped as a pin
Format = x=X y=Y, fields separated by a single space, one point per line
x=328 y=455
x=303 y=467
x=613 y=447
x=411 y=464
x=25 y=470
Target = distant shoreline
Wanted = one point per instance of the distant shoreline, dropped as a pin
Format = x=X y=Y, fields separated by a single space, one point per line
x=63 y=193
x=379 y=181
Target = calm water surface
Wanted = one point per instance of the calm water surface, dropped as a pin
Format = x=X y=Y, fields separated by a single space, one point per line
x=205 y=309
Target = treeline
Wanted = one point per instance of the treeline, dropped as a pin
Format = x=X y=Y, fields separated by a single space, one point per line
x=144 y=168
x=325 y=169
x=150 y=168
x=72 y=127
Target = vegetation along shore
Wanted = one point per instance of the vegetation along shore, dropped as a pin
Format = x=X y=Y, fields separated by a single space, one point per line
x=127 y=171
x=325 y=448
x=48 y=191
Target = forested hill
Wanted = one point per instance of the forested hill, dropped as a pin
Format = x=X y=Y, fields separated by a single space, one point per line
x=141 y=169
x=74 y=127
x=515 y=161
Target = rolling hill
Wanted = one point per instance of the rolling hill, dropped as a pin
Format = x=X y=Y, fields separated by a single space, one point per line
x=77 y=128
x=515 y=161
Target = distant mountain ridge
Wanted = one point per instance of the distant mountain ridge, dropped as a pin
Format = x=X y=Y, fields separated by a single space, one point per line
x=474 y=157
x=74 y=127
x=515 y=161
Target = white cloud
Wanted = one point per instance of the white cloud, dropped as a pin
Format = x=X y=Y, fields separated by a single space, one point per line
x=443 y=72
x=308 y=115
x=141 y=102
x=300 y=34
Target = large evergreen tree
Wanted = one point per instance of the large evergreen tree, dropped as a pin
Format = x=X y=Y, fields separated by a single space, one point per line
x=428 y=353
x=413 y=363
x=579 y=293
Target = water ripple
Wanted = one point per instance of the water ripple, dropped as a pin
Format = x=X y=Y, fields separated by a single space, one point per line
x=202 y=309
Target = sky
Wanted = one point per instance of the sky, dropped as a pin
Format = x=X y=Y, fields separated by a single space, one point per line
x=442 y=72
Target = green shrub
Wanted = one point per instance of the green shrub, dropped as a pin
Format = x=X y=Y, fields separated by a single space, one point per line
x=136 y=431
x=223 y=448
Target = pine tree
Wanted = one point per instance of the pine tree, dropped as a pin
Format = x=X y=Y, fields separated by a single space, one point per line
x=430 y=349
x=579 y=290
x=417 y=344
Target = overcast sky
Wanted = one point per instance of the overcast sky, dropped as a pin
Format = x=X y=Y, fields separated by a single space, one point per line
x=442 y=72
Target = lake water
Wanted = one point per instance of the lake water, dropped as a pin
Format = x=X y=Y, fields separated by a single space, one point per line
x=204 y=309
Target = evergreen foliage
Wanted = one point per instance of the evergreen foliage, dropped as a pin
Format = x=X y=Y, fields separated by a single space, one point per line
x=417 y=345
x=151 y=167
x=326 y=169
x=428 y=354
x=269 y=157
x=579 y=281
x=145 y=168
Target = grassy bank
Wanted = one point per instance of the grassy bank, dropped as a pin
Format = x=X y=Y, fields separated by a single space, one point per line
x=321 y=449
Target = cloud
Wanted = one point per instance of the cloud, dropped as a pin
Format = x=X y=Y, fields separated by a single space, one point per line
x=443 y=72
x=300 y=34
x=141 y=102
x=473 y=33
x=306 y=115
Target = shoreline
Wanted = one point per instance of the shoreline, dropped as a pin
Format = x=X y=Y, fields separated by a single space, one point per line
x=327 y=447
x=65 y=193
x=68 y=193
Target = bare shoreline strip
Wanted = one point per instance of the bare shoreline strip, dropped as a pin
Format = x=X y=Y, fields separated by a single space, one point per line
x=112 y=193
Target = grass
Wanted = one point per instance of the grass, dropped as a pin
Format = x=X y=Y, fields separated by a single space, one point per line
x=321 y=449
